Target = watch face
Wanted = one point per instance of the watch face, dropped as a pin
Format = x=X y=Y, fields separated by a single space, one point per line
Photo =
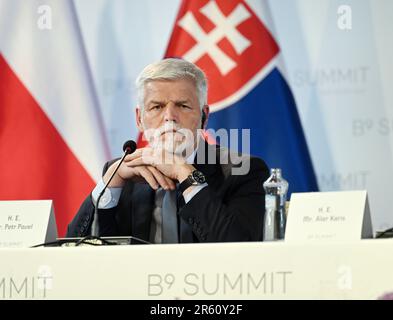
x=198 y=176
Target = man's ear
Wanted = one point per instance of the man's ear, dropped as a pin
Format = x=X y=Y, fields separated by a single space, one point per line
x=138 y=117
x=205 y=116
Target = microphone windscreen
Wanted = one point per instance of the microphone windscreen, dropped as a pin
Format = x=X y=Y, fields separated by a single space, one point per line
x=129 y=146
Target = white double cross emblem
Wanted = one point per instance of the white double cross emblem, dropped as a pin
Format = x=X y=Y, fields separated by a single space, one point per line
x=207 y=42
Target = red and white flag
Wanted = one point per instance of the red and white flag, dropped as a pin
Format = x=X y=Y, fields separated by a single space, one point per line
x=52 y=141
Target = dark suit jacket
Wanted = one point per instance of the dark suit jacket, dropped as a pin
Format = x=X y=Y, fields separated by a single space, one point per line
x=230 y=208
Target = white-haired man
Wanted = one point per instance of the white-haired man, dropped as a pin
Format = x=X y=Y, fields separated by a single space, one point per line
x=212 y=203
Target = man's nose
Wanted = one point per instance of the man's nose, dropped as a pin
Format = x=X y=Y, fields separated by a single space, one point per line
x=171 y=112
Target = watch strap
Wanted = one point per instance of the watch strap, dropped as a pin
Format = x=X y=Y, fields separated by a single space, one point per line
x=184 y=185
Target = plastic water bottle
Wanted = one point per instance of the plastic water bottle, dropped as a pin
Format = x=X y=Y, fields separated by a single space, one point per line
x=276 y=188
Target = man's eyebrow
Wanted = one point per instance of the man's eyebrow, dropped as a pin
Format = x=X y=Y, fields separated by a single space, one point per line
x=164 y=102
x=182 y=101
x=155 y=102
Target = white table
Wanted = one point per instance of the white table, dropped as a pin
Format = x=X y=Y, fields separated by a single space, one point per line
x=253 y=270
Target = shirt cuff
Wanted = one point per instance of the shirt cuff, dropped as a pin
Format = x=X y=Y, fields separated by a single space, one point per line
x=187 y=197
x=109 y=199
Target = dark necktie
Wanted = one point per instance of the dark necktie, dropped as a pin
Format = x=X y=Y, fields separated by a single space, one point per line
x=169 y=217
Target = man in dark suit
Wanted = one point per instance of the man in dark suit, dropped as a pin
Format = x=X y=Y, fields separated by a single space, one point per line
x=178 y=188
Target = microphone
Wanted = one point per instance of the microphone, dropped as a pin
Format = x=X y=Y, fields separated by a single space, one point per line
x=128 y=148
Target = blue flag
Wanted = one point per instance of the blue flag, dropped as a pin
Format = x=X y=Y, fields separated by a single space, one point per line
x=229 y=41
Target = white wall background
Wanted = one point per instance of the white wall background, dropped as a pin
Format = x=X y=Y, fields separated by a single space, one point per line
x=341 y=80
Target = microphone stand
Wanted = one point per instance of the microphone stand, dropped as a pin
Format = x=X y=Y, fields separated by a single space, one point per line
x=95 y=228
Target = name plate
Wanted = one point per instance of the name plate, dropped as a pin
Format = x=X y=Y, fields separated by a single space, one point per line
x=26 y=223
x=328 y=216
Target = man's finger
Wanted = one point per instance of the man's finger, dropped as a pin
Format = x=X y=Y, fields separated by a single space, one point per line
x=141 y=161
x=165 y=182
x=137 y=154
x=148 y=176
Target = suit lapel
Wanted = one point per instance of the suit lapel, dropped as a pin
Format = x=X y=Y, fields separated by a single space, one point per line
x=212 y=171
x=214 y=178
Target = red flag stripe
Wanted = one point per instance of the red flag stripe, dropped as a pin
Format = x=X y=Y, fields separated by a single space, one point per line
x=36 y=162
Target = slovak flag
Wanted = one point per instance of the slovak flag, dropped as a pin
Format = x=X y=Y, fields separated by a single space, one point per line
x=52 y=141
x=229 y=40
